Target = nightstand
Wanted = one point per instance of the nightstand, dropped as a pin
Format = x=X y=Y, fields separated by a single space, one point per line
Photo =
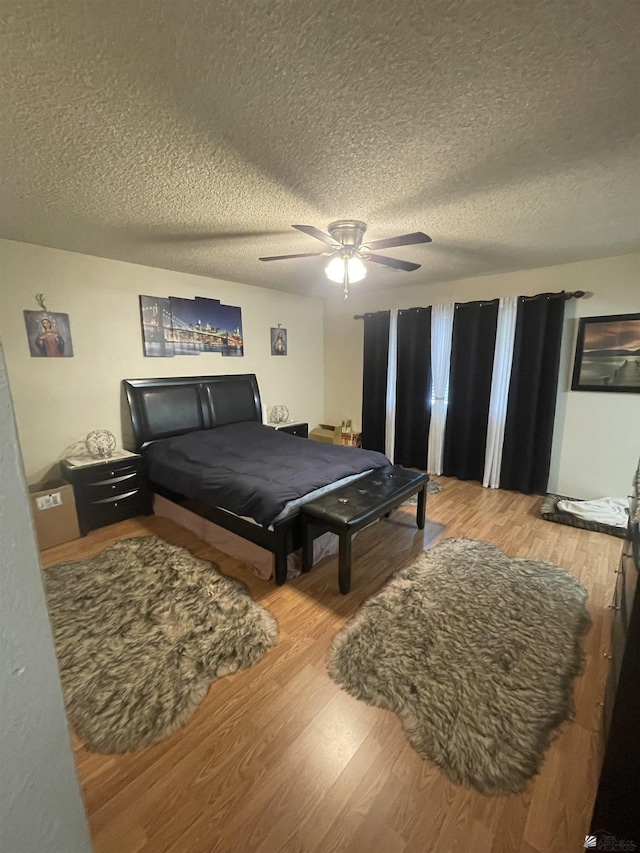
x=109 y=491
x=293 y=428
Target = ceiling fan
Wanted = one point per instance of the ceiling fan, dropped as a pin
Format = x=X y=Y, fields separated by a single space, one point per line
x=348 y=253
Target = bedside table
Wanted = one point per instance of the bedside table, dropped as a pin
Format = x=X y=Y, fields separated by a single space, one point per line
x=293 y=428
x=109 y=491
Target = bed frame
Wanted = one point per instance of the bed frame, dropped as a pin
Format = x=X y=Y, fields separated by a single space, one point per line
x=162 y=408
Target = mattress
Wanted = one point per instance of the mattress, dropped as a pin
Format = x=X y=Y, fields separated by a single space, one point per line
x=252 y=470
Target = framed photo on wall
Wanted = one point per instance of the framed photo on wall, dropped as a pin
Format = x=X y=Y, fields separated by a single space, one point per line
x=608 y=354
x=176 y=326
x=278 y=341
x=49 y=334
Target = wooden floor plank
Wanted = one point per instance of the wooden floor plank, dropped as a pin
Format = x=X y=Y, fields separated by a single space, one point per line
x=277 y=759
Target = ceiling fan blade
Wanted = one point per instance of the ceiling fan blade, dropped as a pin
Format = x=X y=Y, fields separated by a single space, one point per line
x=312 y=231
x=394 y=263
x=402 y=240
x=286 y=257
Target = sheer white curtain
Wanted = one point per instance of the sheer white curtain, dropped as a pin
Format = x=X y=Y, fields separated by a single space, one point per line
x=502 y=360
x=392 y=368
x=441 y=332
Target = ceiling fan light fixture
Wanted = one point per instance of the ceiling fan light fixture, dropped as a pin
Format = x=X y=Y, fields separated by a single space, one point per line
x=348 y=251
x=335 y=269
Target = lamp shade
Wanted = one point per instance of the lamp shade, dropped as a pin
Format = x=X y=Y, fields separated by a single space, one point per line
x=356 y=270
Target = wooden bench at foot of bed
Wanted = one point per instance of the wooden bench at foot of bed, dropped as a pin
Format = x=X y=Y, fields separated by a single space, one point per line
x=349 y=508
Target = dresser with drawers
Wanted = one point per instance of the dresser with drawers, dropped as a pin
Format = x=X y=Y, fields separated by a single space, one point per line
x=617 y=808
x=108 y=491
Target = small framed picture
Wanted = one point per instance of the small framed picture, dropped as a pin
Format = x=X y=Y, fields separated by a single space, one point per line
x=608 y=354
x=48 y=334
x=278 y=341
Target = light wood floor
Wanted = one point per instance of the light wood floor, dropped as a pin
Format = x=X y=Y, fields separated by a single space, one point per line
x=278 y=759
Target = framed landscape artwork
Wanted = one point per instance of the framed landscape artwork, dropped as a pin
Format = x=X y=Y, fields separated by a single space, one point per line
x=608 y=354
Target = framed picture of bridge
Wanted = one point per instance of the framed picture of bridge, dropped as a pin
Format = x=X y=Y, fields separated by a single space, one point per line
x=175 y=326
x=608 y=354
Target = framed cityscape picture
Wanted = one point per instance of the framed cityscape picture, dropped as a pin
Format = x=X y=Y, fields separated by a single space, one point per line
x=608 y=354
x=176 y=326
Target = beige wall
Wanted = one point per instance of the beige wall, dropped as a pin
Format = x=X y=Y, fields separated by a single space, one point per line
x=40 y=803
x=597 y=436
x=58 y=401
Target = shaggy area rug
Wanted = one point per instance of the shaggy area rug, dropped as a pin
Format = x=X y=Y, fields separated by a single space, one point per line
x=141 y=630
x=476 y=653
x=433 y=487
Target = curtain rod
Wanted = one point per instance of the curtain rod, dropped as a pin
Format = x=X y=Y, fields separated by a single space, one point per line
x=573 y=294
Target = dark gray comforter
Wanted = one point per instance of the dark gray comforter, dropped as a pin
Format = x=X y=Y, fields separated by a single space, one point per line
x=250 y=469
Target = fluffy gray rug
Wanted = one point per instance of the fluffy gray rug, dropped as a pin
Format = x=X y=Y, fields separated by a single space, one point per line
x=141 y=630
x=433 y=487
x=476 y=653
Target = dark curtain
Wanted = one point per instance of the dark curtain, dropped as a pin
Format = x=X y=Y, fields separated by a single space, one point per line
x=531 y=404
x=413 y=387
x=472 y=348
x=374 y=384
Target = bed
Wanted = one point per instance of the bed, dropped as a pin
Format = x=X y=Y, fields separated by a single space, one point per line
x=207 y=451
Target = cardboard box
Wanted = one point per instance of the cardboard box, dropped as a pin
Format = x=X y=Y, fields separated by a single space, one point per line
x=53 y=508
x=324 y=435
x=334 y=435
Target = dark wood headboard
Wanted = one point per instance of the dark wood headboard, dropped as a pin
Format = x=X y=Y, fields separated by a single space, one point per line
x=161 y=408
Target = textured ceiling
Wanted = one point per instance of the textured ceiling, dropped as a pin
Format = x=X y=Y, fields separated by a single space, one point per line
x=190 y=135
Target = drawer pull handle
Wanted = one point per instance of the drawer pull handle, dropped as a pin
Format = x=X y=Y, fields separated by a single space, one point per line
x=613 y=607
x=117 y=472
x=122 y=476
x=120 y=497
x=608 y=657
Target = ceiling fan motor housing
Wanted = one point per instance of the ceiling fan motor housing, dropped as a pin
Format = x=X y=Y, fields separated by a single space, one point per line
x=347 y=232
